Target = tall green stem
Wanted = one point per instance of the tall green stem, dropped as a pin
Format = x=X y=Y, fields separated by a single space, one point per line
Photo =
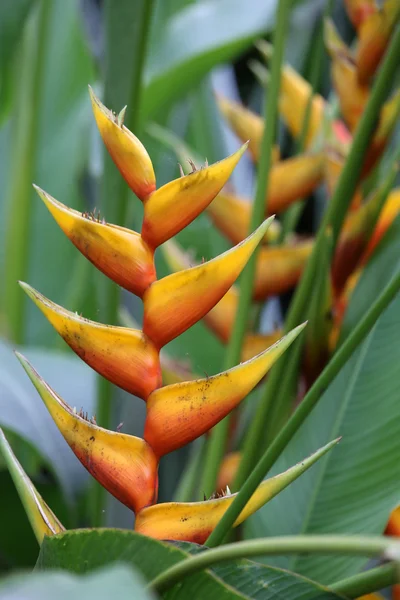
x=298 y=417
x=301 y=544
x=219 y=434
x=334 y=216
x=367 y=582
x=127 y=35
x=25 y=133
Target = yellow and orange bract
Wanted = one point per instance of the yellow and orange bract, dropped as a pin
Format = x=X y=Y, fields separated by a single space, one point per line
x=125 y=465
x=126 y=357
x=246 y=124
x=386 y=218
x=127 y=152
x=194 y=521
x=42 y=519
x=119 y=253
x=178 y=414
x=173 y=206
x=188 y=295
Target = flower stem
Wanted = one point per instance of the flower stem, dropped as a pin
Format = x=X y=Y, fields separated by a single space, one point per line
x=301 y=544
x=24 y=155
x=303 y=410
x=217 y=441
x=333 y=217
x=367 y=582
x=127 y=34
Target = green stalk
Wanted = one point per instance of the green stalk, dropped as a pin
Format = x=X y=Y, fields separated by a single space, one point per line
x=127 y=34
x=293 y=213
x=300 y=544
x=303 y=410
x=23 y=164
x=367 y=582
x=334 y=217
x=219 y=434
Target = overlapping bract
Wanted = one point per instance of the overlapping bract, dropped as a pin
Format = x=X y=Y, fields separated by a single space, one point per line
x=178 y=413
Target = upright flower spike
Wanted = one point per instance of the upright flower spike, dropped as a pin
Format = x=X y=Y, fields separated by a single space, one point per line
x=125 y=465
x=195 y=521
x=231 y=214
x=126 y=357
x=374 y=32
x=127 y=152
x=359 y=10
x=279 y=268
x=42 y=519
x=352 y=94
x=119 y=253
x=176 y=302
x=246 y=124
x=180 y=413
x=173 y=206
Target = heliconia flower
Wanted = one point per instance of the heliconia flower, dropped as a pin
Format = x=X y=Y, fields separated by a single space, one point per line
x=294 y=97
x=352 y=94
x=247 y=125
x=356 y=232
x=389 y=212
x=42 y=519
x=359 y=10
x=279 y=268
x=124 y=356
x=195 y=521
x=231 y=214
x=173 y=206
x=178 y=414
x=373 y=37
x=228 y=469
x=119 y=253
x=176 y=302
x=393 y=525
x=293 y=101
x=127 y=152
x=125 y=465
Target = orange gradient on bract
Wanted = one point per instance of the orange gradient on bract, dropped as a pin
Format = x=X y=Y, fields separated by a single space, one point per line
x=119 y=253
x=279 y=268
x=180 y=413
x=176 y=302
x=352 y=94
x=127 y=152
x=194 y=521
x=359 y=10
x=386 y=218
x=126 y=357
x=393 y=526
x=293 y=179
x=173 y=206
x=373 y=37
x=294 y=97
x=228 y=470
x=254 y=343
x=246 y=124
x=125 y=465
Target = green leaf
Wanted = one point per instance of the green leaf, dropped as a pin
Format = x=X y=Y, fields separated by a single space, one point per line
x=354 y=489
x=197 y=39
x=84 y=550
x=117 y=581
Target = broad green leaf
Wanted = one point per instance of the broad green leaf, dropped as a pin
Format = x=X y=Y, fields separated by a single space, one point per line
x=117 y=581
x=81 y=551
x=354 y=489
x=22 y=412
